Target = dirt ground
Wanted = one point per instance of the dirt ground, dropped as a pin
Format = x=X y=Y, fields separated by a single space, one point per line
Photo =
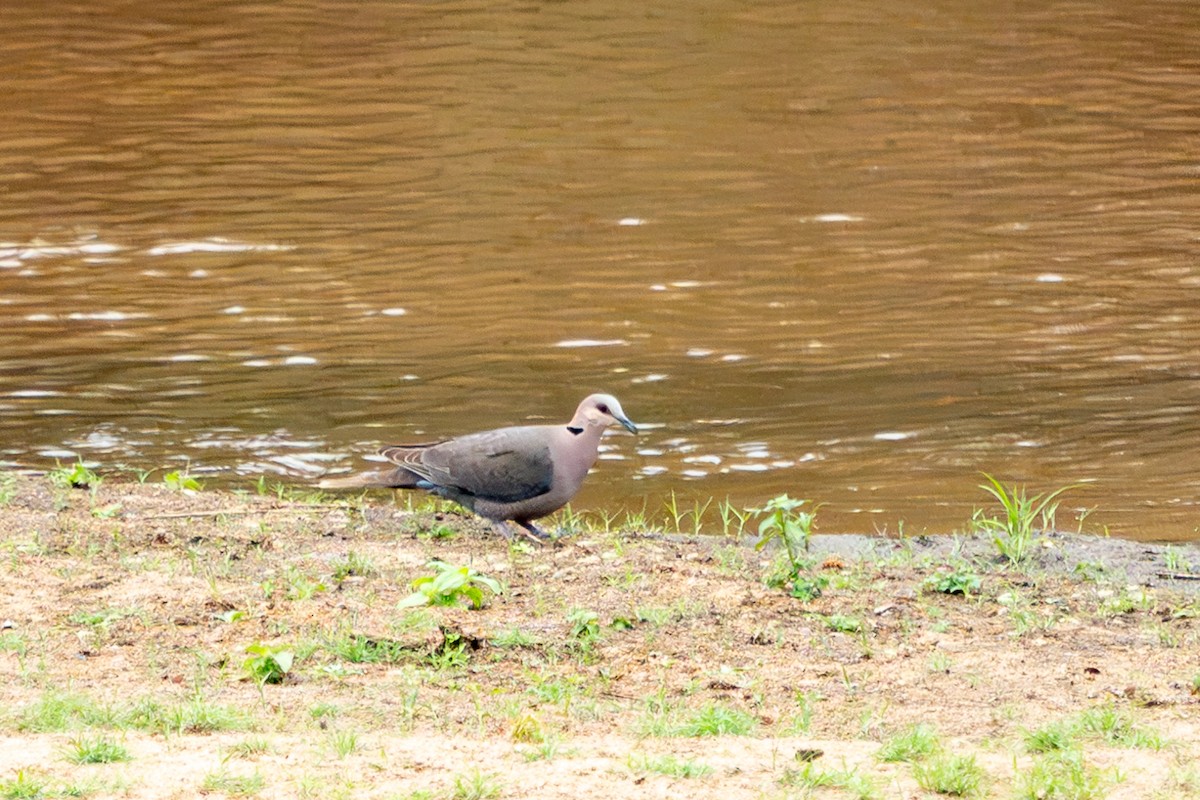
x=613 y=664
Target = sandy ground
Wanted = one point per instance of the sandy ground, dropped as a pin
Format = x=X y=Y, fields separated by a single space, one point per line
x=141 y=597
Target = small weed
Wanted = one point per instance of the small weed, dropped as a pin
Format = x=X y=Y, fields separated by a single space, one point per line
x=268 y=663
x=227 y=783
x=843 y=623
x=528 y=729
x=1013 y=534
x=805 y=705
x=939 y=662
x=1127 y=601
x=792 y=527
x=108 y=511
x=717 y=720
x=98 y=749
x=300 y=586
x=8 y=487
x=451 y=654
x=1062 y=776
x=343 y=742
x=1116 y=728
x=546 y=750
x=181 y=481
x=76 y=476
x=1176 y=561
x=585 y=626
x=668 y=765
x=954 y=775
x=438 y=531
x=354 y=564
x=475 y=785
x=513 y=638
x=730 y=559
x=851 y=781
x=23 y=785
x=195 y=716
x=733 y=519
x=962 y=580
x=911 y=744
x=250 y=746
x=60 y=711
x=1055 y=736
x=359 y=649
x=322 y=711
x=449 y=585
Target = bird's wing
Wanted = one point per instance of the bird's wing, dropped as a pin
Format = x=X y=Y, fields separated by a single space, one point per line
x=506 y=465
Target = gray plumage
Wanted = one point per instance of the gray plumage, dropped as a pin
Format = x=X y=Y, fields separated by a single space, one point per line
x=513 y=474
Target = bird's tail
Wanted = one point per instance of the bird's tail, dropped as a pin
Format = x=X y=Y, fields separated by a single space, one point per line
x=383 y=479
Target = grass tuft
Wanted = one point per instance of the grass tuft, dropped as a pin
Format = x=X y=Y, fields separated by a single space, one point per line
x=911 y=744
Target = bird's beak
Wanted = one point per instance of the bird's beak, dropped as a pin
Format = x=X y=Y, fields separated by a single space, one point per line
x=626 y=424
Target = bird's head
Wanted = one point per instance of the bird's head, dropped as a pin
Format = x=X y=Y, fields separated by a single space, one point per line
x=601 y=411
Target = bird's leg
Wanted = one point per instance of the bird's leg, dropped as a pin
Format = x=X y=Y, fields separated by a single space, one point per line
x=534 y=532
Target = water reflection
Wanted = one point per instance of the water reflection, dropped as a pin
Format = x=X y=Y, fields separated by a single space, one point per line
x=857 y=253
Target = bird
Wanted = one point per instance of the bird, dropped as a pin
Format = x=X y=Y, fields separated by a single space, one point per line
x=517 y=474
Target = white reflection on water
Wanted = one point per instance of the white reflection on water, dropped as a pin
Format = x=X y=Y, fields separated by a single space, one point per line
x=215 y=244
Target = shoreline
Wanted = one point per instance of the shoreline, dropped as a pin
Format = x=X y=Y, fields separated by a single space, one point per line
x=150 y=616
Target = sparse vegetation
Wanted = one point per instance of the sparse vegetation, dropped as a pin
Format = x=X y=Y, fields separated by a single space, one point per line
x=783 y=521
x=669 y=765
x=1013 y=532
x=74 y=476
x=268 y=663
x=911 y=744
x=449 y=586
x=955 y=775
x=95 y=749
x=1062 y=775
x=609 y=647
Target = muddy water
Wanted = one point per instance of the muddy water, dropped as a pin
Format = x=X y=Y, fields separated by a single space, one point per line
x=856 y=252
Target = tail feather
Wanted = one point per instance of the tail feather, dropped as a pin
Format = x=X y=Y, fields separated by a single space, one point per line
x=384 y=479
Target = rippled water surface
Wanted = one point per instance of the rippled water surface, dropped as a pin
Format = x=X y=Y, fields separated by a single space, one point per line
x=857 y=252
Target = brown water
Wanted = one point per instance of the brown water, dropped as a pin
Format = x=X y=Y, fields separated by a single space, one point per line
x=856 y=252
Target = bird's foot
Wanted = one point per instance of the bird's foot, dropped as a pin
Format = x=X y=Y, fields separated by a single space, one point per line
x=534 y=533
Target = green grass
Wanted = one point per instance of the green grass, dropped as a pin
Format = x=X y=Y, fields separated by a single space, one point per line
x=95 y=749
x=250 y=747
x=353 y=565
x=851 y=782
x=359 y=649
x=8 y=487
x=58 y=711
x=24 y=784
x=959 y=776
x=911 y=744
x=196 y=715
x=1062 y=775
x=1106 y=723
x=513 y=638
x=960 y=580
x=843 y=623
x=711 y=719
x=233 y=785
x=475 y=785
x=668 y=765
x=343 y=742
x=1013 y=532
x=1055 y=736
x=1117 y=728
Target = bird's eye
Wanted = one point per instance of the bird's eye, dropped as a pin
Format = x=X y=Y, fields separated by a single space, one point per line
x=602 y=408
